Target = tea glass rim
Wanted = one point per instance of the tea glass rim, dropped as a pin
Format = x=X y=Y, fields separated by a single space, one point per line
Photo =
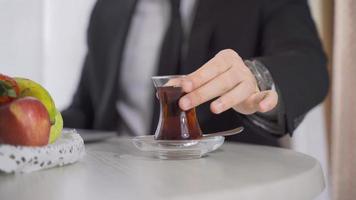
x=167 y=76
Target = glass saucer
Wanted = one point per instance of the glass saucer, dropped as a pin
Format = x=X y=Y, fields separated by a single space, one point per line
x=178 y=149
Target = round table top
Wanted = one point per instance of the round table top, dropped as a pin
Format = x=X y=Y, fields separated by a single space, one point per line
x=115 y=169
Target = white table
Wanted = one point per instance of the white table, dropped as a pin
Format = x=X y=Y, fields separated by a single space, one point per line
x=114 y=169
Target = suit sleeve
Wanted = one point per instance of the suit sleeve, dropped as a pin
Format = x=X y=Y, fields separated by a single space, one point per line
x=292 y=52
x=80 y=113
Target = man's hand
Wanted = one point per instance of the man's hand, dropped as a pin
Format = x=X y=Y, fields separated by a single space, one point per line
x=227 y=77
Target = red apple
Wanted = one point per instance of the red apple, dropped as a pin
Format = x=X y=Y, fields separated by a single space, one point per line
x=24 y=121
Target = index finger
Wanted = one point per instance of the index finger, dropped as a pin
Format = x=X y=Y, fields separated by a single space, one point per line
x=214 y=67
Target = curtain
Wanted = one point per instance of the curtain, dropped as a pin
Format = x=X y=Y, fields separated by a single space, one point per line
x=343 y=106
x=336 y=23
x=311 y=137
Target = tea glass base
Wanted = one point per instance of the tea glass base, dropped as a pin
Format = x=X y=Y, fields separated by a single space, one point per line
x=178 y=149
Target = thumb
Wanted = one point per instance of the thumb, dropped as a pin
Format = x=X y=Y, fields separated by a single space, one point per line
x=268 y=102
x=261 y=101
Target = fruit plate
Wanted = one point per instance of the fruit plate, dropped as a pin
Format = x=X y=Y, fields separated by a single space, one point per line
x=178 y=149
x=69 y=148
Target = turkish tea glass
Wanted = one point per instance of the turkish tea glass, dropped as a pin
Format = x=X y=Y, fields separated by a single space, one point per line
x=174 y=123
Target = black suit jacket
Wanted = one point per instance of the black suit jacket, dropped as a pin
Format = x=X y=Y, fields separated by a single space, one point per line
x=279 y=33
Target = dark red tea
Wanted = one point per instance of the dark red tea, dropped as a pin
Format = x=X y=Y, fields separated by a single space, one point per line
x=174 y=123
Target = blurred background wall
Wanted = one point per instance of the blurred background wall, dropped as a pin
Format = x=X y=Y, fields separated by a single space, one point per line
x=21 y=41
x=45 y=41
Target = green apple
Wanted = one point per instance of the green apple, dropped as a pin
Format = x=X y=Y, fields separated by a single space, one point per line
x=56 y=129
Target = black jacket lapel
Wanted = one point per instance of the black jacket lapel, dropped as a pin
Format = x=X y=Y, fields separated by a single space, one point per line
x=121 y=11
x=199 y=42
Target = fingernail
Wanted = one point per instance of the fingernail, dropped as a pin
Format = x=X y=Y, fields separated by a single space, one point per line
x=218 y=106
x=185 y=103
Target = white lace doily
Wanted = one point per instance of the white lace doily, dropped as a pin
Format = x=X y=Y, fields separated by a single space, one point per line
x=66 y=150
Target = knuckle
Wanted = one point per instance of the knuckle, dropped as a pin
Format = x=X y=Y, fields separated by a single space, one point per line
x=245 y=108
x=197 y=97
x=228 y=82
x=228 y=101
x=229 y=53
x=220 y=60
x=225 y=86
x=197 y=78
x=246 y=70
x=251 y=85
x=230 y=58
x=250 y=105
x=236 y=71
x=227 y=56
